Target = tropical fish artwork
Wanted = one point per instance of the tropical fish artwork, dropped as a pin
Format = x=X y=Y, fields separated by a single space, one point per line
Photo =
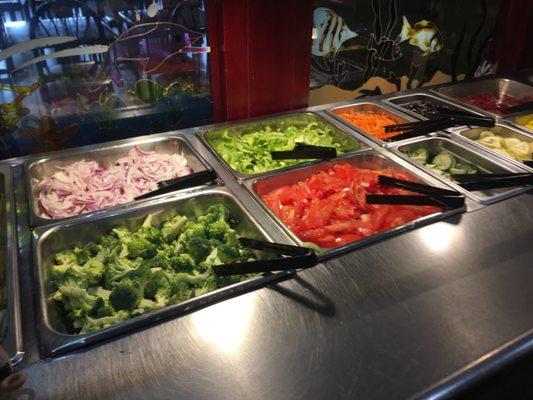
x=423 y=34
x=331 y=32
x=384 y=49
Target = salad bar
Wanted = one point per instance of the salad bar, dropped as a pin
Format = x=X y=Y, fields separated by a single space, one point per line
x=123 y=280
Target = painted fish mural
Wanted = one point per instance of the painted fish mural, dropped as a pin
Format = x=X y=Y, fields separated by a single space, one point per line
x=424 y=34
x=331 y=32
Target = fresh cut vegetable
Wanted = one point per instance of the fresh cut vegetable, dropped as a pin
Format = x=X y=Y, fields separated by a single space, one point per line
x=329 y=209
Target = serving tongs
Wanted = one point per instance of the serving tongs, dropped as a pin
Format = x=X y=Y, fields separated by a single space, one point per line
x=418 y=128
x=429 y=195
x=304 y=151
x=183 y=182
x=493 y=181
x=297 y=257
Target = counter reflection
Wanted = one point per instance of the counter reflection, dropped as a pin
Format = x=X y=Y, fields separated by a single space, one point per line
x=225 y=324
x=438 y=237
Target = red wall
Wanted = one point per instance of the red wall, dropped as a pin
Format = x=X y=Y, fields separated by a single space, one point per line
x=260 y=56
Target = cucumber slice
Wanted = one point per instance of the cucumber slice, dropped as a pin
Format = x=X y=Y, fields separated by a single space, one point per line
x=420 y=155
x=470 y=169
x=444 y=161
x=457 y=171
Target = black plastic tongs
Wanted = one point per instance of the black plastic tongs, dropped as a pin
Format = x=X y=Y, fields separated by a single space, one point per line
x=183 y=182
x=443 y=121
x=304 y=151
x=298 y=257
x=493 y=181
x=434 y=196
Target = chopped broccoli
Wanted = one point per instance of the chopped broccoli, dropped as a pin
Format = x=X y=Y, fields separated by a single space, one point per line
x=92 y=271
x=159 y=261
x=95 y=324
x=76 y=300
x=82 y=255
x=140 y=247
x=198 y=248
x=180 y=290
x=158 y=287
x=133 y=272
x=227 y=254
x=214 y=213
x=116 y=269
x=182 y=263
x=124 y=296
x=218 y=230
x=170 y=230
x=102 y=308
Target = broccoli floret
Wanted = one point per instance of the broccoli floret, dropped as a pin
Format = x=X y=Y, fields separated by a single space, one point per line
x=82 y=255
x=180 y=290
x=158 y=287
x=231 y=238
x=170 y=230
x=159 y=261
x=76 y=300
x=65 y=259
x=92 y=248
x=125 y=296
x=95 y=324
x=227 y=254
x=140 y=247
x=216 y=212
x=198 y=248
x=102 y=308
x=91 y=272
x=218 y=230
x=116 y=269
x=99 y=291
x=151 y=234
x=182 y=263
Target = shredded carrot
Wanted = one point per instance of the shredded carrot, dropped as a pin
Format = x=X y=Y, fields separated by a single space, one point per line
x=374 y=124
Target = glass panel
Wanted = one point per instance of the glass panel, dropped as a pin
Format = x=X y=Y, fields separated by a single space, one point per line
x=75 y=73
x=372 y=47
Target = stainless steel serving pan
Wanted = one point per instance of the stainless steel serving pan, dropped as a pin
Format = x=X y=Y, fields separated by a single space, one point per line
x=371 y=108
x=37 y=168
x=512 y=121
x=402 y=103
x=468 y=154
x=505 y=131
x=369 y=159
x=10 y=328
x=348 y=142
x=493 y=85
x=54 y=336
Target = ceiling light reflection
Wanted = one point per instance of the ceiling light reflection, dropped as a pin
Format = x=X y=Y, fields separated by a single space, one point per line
x=225 y=324
x=438 y=236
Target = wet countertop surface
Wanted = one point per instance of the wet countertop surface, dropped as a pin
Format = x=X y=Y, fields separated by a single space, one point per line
x=425 y=313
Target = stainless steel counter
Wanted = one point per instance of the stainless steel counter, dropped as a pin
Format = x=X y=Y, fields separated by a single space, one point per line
x=386 y=321
x=422 y=314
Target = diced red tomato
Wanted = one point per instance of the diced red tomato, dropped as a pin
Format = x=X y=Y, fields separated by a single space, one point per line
x=329 y=208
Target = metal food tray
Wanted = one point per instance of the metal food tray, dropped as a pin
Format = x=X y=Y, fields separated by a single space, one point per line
x=472 y=155
x=351 y=144
x=372 y=108
x=369 y=159
x=10 y=333
x=37 y=168
x=401 y=101
x=54 y=336
x=511 y=119
x=505 y=131
x=493 y=85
